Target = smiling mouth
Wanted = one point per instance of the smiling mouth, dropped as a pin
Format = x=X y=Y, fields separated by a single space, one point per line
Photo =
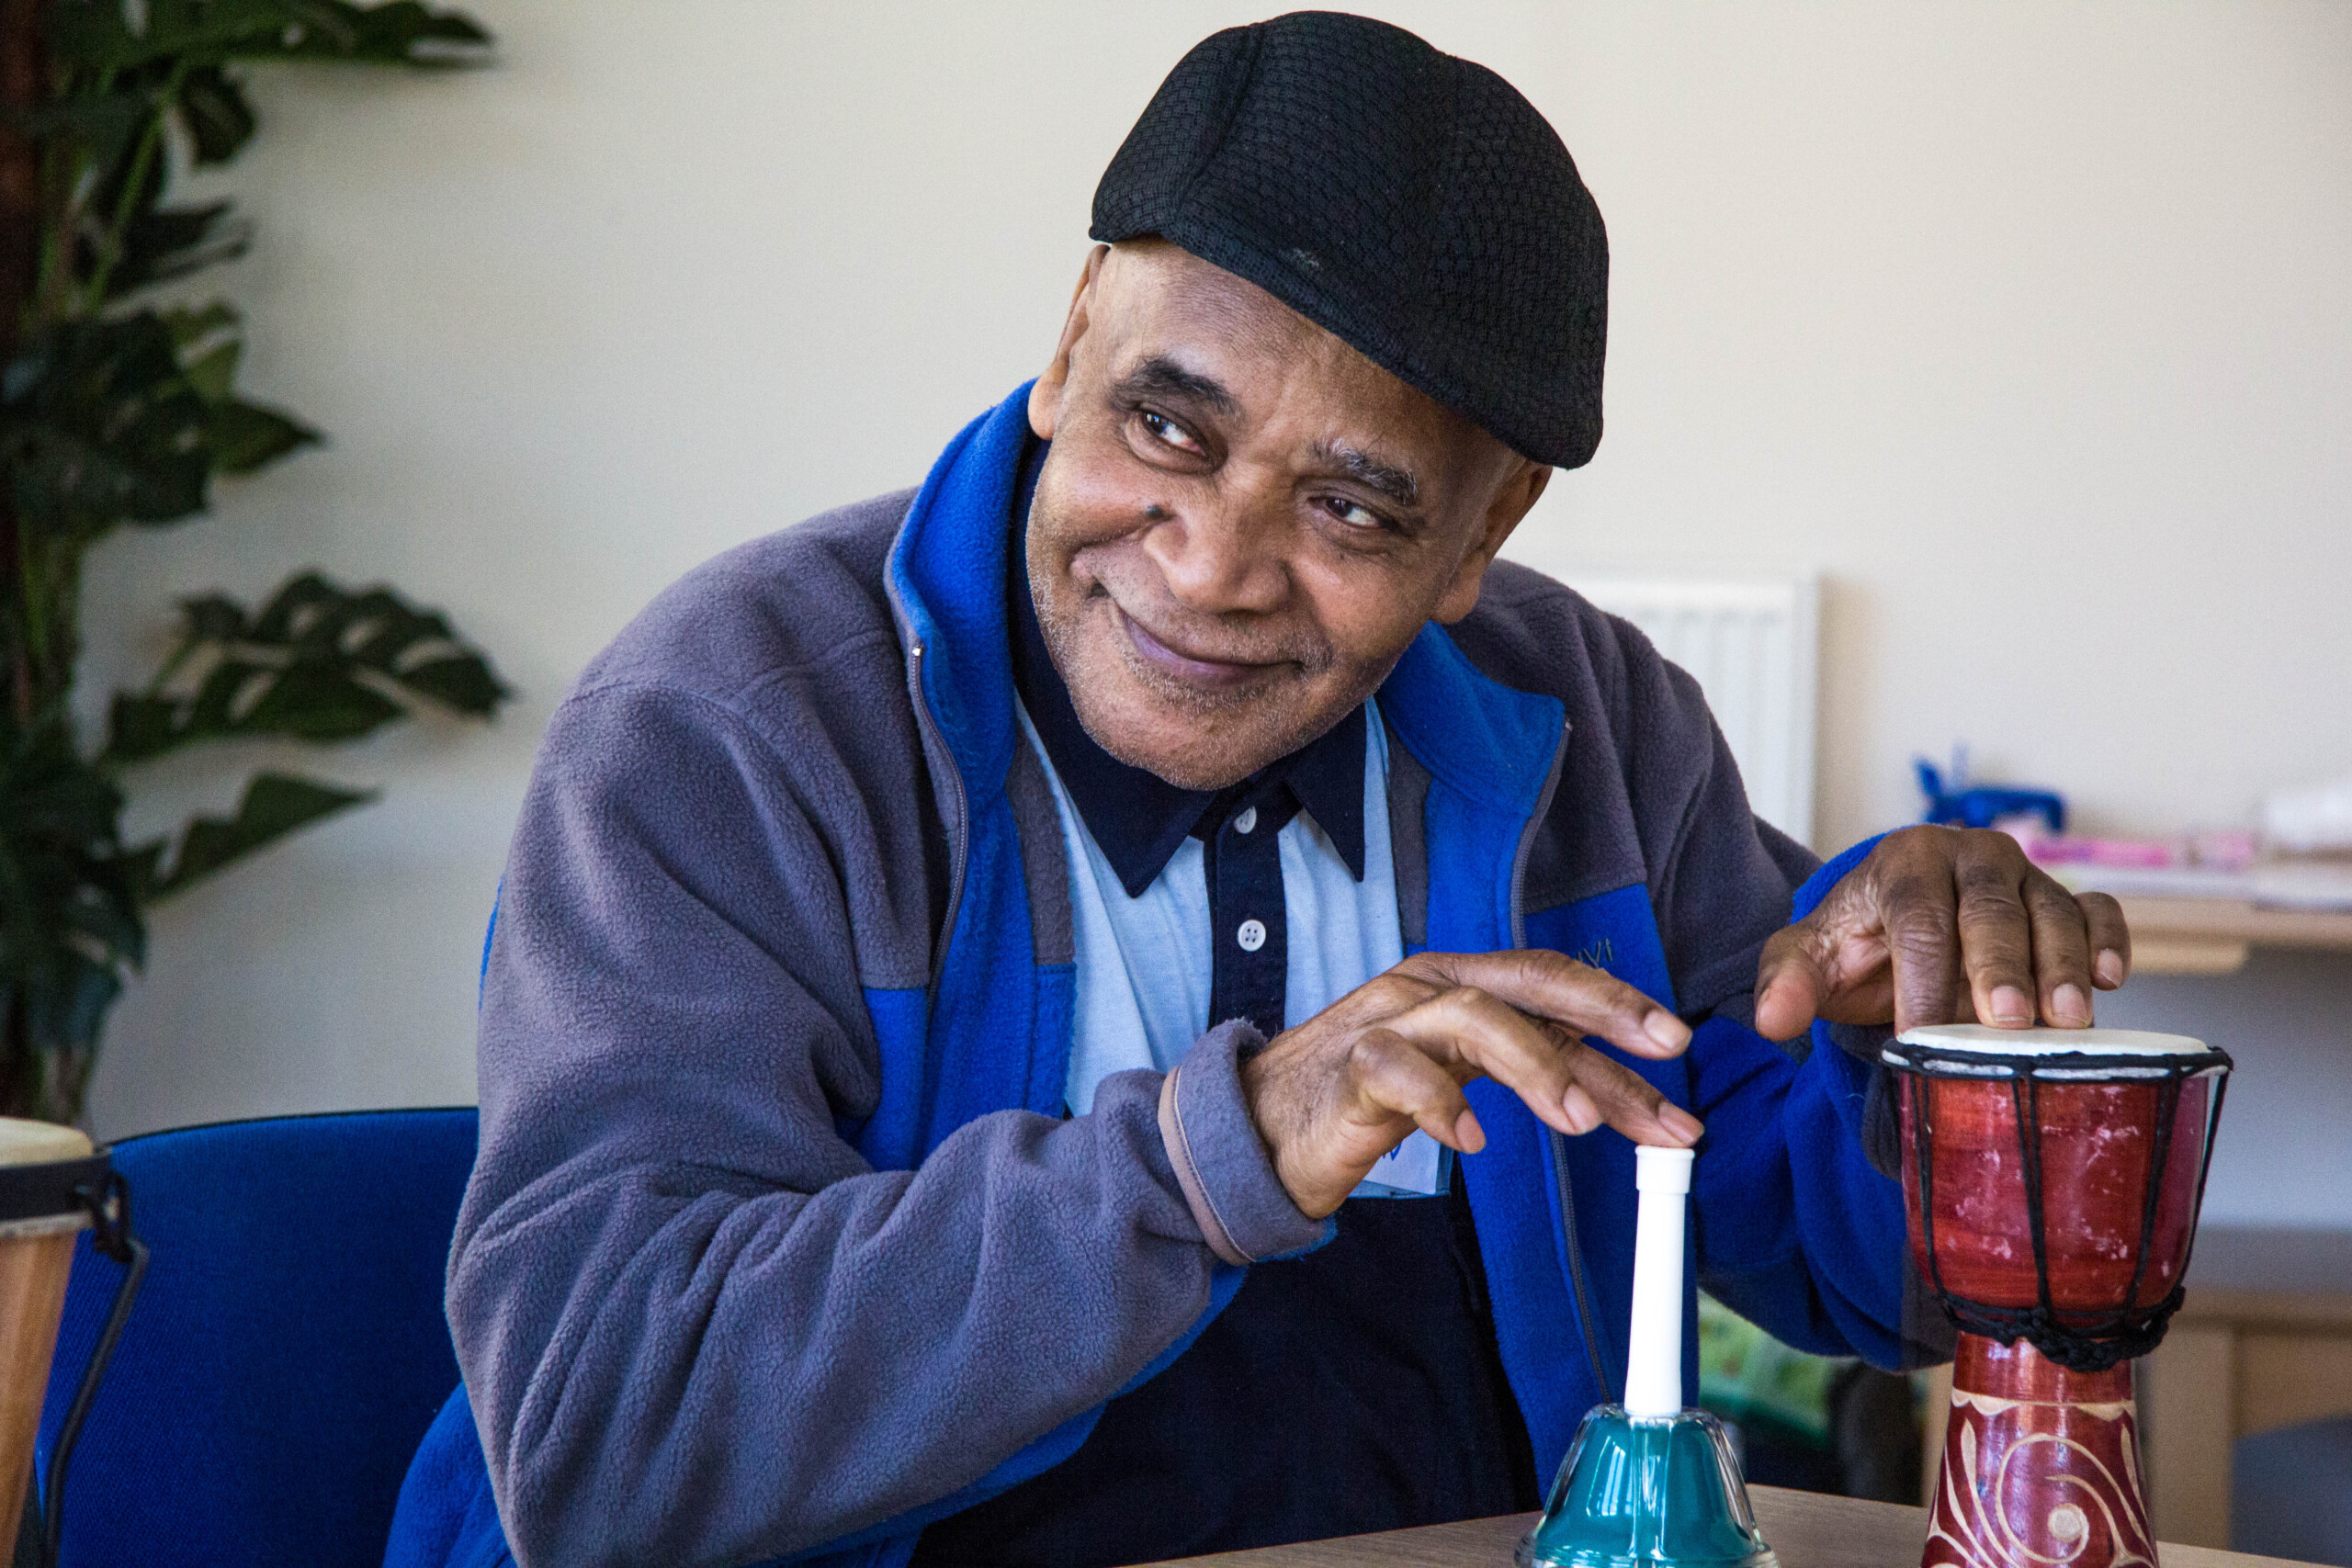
x=1188 y=669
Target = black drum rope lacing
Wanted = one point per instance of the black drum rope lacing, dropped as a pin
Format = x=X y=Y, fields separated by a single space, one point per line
x=2078 y=1341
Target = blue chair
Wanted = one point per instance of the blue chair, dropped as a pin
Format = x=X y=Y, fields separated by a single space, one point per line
x=285 y=1354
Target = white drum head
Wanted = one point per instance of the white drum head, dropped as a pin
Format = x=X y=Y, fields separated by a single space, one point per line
x=40 y=1143
x=1984 y=1040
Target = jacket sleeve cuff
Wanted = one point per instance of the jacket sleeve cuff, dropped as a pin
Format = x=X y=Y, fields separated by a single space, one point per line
x=1243 y=1209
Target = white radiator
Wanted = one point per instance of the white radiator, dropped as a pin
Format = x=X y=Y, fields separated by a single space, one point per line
x=1754 y=647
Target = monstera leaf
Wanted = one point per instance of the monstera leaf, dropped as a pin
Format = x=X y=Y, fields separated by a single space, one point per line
x=100 y=424
x=319 y=662
x=112 y=413
x=273 y=806
x=110 y=35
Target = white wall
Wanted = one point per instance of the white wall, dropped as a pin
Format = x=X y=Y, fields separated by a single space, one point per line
x=2029 y=324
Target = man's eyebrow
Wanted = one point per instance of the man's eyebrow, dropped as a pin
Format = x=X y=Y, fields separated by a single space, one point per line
x=1162 y=376
x=1369 y=471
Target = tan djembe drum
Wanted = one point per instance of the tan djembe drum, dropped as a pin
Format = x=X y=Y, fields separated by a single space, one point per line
x=53 y=1186
x=2052 y=1179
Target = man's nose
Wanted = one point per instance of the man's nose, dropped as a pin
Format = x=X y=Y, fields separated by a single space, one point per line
x=1223 y=557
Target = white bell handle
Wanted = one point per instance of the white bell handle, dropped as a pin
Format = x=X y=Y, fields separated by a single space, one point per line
x=1653 y=1348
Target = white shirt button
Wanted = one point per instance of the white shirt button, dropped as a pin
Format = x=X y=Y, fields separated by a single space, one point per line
x=1246 y=821
x=1251 y=936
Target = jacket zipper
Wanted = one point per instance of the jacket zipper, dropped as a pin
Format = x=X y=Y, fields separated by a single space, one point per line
x=1571 y=1245
x=959 y=824
x=1527 y=841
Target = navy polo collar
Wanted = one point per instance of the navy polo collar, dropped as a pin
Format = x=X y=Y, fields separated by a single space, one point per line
x=1138 y=817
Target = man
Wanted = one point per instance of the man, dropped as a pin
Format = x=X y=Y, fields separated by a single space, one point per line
x=1057 y=1019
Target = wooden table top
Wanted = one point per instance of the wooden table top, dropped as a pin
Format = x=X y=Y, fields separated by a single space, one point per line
x=1804 y=1530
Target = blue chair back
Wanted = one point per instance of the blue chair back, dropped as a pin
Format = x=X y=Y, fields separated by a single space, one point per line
x=286 y=1353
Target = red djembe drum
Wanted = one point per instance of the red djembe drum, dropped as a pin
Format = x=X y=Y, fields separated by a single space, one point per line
x=2052 y=1179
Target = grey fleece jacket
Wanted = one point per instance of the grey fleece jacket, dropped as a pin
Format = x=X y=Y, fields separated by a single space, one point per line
x=695 y=1325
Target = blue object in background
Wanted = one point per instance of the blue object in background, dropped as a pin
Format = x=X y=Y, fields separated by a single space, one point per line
x=1956 y=803
x=288 y=1350
x=2292 y=1492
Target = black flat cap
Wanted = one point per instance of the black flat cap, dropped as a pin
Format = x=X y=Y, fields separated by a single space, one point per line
x=1412 y=204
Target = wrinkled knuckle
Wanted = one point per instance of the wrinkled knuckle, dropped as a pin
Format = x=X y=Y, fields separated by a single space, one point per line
x=1555 y=966
x=1917 y=890
x=1991 y=846
x=1373 y=1052
x=1422 y=968
x=1985 y=881
x=1919 y=942
x=2103 y=914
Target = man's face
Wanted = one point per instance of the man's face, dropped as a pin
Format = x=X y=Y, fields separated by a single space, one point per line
x=1243 y=522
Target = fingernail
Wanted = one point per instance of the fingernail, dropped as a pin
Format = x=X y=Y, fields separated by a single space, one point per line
x=1582 y=1115
x=2110 y=968
x=1666 y=1029
x=1680 y=1122
x=2010 y=1006
x=2066 y=1002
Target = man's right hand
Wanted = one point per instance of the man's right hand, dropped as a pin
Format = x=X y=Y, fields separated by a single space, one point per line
x=1333 y=1095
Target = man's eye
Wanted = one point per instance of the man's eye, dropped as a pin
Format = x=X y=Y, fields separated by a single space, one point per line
x=1353 y=514
x=1168 y=433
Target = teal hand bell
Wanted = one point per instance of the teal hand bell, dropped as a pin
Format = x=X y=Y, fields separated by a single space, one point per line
x=1648 y=1484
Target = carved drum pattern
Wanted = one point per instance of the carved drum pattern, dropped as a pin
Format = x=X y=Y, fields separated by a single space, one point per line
x=2040 y=1467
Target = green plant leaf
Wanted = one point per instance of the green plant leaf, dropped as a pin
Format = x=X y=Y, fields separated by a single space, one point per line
x=107 y=34
x=163 y=243
x=273 y=806
x=216 y=114
x=104 y=125
x=462 y=683
x=318 y=662
x=98 y=425
x=100 y=422
x=95 y=33
x=245 y=436
x=70 y=927
x=213 y=373
x=401 y=33
x=191 y=328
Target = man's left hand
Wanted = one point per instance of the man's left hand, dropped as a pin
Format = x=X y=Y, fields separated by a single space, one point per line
x=1944 y=925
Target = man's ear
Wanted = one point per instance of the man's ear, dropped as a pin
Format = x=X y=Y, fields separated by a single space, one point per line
x=1045 y=396
x=1512 y=502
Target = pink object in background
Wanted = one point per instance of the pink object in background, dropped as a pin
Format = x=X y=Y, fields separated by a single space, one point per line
x=2046 y=848
x=2205 y=848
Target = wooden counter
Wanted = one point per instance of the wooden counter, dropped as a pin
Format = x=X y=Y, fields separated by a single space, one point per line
x=2214 y=936
x=1806 y=1531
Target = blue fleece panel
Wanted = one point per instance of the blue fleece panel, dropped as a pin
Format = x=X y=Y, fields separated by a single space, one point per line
x=1490 y=753
x=888 y=1137
x=999 y=1031
x=447 y=1513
